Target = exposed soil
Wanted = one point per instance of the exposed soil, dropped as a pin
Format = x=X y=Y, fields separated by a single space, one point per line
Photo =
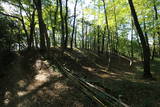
x=32 y=82
x=35 y=81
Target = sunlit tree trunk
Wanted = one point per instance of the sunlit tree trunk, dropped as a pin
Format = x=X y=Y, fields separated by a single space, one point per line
x=132 y=53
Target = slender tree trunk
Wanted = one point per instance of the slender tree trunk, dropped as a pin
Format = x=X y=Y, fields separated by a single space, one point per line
x=74 y=20
x=108 y=30
x=98 y=39
x=154 y=47
x=132 y=53
x=36 y=39
x=62 y=25
x=54 y=22
x=103 y=39
x=86 y=36
x=94 y=41
x=75 y=38
x=158 y=32
x=66 y=24
x=159 y=43
x=24 y=27
x=146 y=50
x=82 y=32
x=116 y=32
x=32 y=28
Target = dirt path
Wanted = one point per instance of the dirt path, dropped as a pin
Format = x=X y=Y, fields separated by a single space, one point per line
x=38 y=87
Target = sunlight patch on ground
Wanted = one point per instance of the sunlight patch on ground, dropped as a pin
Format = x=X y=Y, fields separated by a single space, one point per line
x=21 y=83
x=88 y=68
x=8 y=97
x=100 y=66
x=103 y=75
x=68 y=54
x=43 y=75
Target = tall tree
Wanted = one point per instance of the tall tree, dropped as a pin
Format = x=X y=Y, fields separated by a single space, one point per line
x=62 y=24
x=74 y=20
x=54 y=22
x=145 y=46
x=32 y=28
x=109 y=35
x=66 y=25
x=42 y=26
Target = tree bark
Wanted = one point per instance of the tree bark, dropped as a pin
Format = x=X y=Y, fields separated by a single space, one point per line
x=32 y=28
x=74 y=20
x=82 y=32
x=62 y=25
x=42 y=26
x=98 y=39
x=53 y=23
x=75 y=37
x=116 y=28
x=109 y=35
x=66 y=25
x=132 y=53
x=146 y=50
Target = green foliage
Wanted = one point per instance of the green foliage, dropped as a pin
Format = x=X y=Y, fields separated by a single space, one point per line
x=7 y=38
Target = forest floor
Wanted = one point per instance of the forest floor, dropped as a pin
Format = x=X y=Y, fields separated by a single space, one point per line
x=35 y=81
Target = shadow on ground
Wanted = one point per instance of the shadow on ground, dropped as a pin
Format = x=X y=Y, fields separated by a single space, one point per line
x=32 y=82
x=122 y=81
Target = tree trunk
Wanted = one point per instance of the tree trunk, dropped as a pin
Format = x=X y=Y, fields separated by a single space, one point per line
x=116 y=32
x=75 y=38
x=62 y=25
x=32 y=28
x=53 y=23
x=132 y=53
x=146 y=50
x=82 y=32
x=86 y=36
x=103 y=39
x=98 y=39
x=145 y=32
x=108 y=30
x=74 y=20
x=66 y=24
x=24 y=27
x=154 y=47
x=42 y=27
